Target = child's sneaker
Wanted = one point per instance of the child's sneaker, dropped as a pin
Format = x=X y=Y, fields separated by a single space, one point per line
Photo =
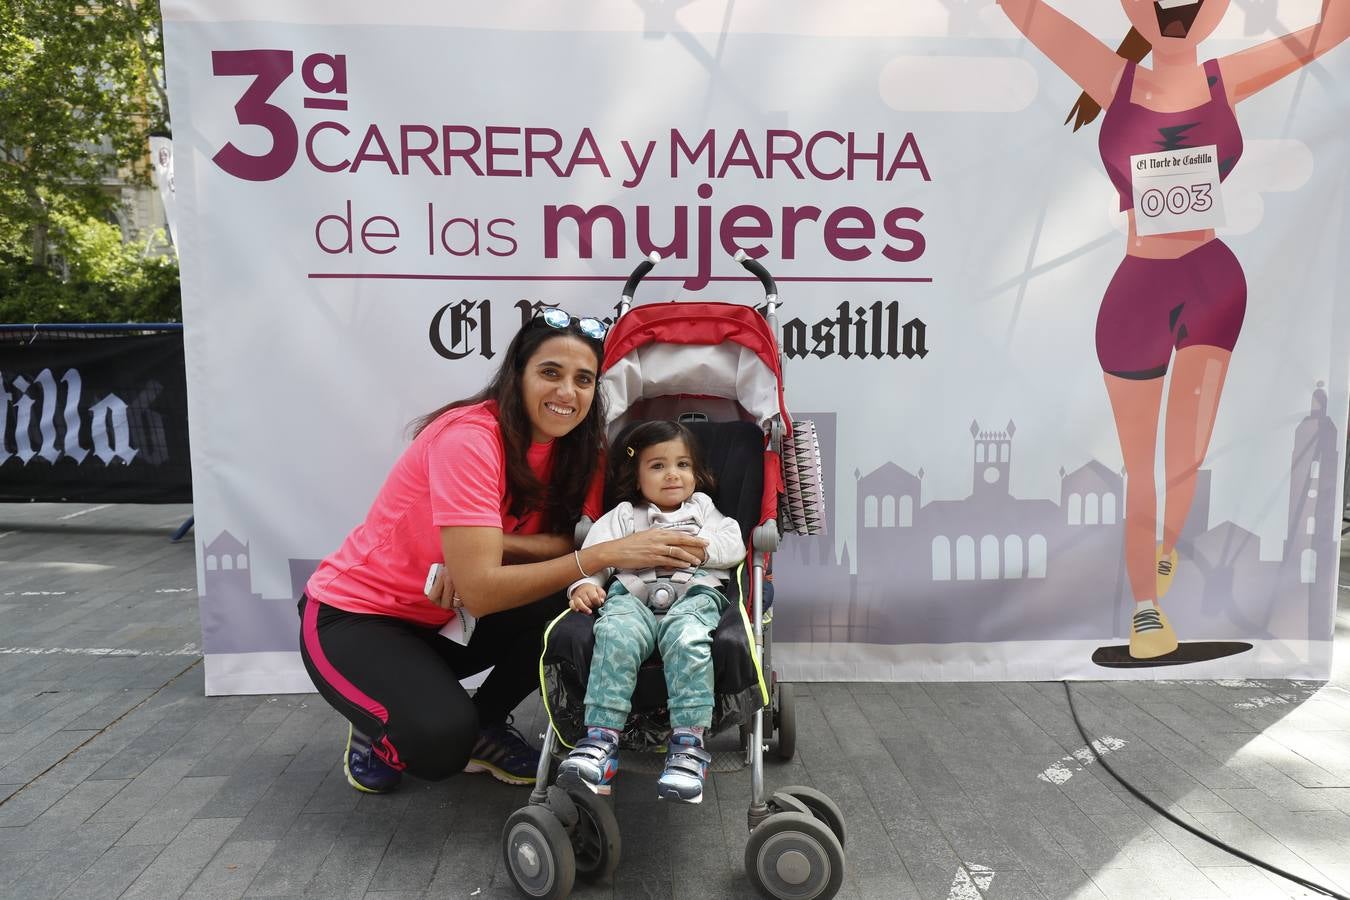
x=686 y=765
x=502 y=752
x=365 y=771
x=594 y=762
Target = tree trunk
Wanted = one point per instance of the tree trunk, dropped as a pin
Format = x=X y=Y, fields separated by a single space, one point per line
x=41 y=226
x=148 y=61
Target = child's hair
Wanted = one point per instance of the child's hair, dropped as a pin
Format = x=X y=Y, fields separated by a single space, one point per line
x=621 y=480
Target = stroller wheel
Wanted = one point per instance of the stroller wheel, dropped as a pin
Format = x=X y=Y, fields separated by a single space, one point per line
x=538 y=854
x=794 y=856
x=595 y=837
x=785 y=718
x=820 y=806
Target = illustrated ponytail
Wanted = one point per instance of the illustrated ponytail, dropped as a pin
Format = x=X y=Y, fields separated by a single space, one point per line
x=1133 y=48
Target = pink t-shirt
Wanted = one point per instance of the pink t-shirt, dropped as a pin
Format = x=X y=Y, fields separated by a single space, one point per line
x=453 y=473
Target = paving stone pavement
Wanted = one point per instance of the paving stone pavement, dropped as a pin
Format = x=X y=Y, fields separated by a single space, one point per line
x=118 y=778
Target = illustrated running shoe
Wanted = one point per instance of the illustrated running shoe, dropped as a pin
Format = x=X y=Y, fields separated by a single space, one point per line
x=686 y=765
x=1151 y=635
x=1167 y=567
x=593 y=762
x=502 y=752
x=365 y=771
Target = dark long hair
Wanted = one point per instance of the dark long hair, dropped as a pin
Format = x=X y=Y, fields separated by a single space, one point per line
x=575 y=454
x=621 y=479
x=1133 y=48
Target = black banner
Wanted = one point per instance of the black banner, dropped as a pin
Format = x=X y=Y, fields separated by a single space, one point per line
x=94 y=419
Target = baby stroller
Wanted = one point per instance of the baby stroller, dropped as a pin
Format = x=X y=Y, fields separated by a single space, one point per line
x=715 y=367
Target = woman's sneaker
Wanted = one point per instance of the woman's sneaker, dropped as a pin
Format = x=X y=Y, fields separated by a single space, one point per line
x=502 y=752
x=593 y=762
x=686 y=766
x=365 y=771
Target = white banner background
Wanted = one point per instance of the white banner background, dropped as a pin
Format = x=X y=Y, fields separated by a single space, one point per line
x=305 y=366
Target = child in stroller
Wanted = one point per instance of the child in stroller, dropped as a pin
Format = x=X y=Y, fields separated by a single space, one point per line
x=659 y=481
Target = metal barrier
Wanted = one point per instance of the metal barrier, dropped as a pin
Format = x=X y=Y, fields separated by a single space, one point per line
x=28 y=333
x=51 y=429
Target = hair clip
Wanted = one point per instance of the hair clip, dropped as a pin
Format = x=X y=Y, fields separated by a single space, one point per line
x=630 y=451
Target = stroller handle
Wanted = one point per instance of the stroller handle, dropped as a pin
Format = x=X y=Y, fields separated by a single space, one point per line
x=754 y=268
x=630 y=286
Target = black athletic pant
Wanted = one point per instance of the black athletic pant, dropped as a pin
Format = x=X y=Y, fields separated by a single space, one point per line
x=398 y=682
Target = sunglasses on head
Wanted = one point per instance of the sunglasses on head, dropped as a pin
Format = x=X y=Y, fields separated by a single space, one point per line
x=560 y=318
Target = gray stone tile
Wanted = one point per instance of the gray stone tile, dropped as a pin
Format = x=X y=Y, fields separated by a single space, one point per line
x=1249 y=881
x=43 y=755
x=1337 y=875
x=1198 y=852
x=1131 y=883
x=1011 y=885
x=26 y=805
x=297 y=856
x=230 y=871
x=112 y=873
x=151 y=744
x=334 y=793
x=277 y=809
x=244 y=788
x=1240 y=832
x=893 y=886
x=14 y=863
x=163 y=821
x=410 y=860
x=468 y=862
x=355 y=854
x=79 y=804
x=143 y=792
x=175 y=868
x=58 y=868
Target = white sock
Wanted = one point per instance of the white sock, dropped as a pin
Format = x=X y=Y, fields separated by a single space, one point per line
x=1141 y=605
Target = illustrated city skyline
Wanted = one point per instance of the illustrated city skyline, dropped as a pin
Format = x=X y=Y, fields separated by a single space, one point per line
x=986 y=567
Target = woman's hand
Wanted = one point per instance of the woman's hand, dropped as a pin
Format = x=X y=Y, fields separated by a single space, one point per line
x=656 y=548
x=442 y=592
x=587 y=597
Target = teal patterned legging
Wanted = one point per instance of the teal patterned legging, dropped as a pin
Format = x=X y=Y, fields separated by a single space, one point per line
x=625 y=634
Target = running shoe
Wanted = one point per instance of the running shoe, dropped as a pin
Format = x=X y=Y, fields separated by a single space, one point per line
x=502 y=752
x=365 y=771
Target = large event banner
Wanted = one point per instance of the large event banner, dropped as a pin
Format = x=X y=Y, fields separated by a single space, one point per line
x=93 y=418
x=373 y=198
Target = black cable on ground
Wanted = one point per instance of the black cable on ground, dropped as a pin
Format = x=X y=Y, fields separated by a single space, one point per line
x=1310 y=885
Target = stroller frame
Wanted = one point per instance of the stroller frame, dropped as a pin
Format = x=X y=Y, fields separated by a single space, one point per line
x=797 y=834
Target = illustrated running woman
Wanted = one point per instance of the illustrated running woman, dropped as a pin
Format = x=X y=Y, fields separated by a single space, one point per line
x=1179 y=288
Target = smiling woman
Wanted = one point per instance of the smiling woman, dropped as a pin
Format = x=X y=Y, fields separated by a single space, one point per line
x=559 y=387
x=491 y=487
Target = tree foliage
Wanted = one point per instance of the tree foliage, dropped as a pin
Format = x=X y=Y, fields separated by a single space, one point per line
x=142 y=290
x=80 y=92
